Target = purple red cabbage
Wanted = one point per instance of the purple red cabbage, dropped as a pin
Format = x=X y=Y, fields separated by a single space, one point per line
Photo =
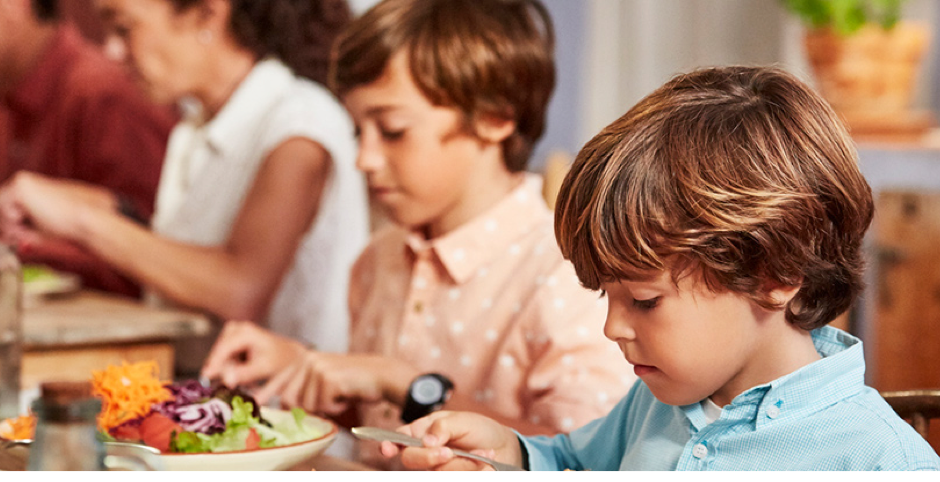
x=209 y=417
x=194 y=409
x=189 y=391
x=207 y=410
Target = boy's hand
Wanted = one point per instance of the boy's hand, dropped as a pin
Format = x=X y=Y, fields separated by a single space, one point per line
x=327 y=383
x=461 y=430
x=245 y=353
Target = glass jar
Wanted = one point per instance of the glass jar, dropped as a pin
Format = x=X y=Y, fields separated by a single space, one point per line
x=11 y=332
x=66 y=431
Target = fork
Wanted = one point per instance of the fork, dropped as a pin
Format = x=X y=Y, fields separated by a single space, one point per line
x=378 y=434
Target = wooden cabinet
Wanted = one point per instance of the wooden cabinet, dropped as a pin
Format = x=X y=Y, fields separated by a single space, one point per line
x=899 y=316
x=905 y=334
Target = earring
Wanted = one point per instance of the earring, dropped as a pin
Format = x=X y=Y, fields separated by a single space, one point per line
x=204 y=36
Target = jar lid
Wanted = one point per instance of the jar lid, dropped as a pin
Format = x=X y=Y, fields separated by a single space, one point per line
x=66 y=402
x=64 y=392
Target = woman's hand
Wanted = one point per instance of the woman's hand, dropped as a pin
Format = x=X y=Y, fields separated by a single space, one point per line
x=30 y=201
x=245 y=353
x=327 y=383
x=441 y=431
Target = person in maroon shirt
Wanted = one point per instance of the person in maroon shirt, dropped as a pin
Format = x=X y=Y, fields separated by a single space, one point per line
x=66 y=111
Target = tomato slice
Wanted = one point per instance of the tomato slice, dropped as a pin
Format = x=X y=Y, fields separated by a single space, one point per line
x=155 y=430
x=253 y=440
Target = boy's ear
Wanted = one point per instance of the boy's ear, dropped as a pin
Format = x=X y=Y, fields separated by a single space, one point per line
x=781 y=295
x=494 y=129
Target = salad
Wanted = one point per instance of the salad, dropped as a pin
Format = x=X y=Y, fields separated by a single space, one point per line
x=40 y=280
x=200 y=419
x=18 y=428
x=183 y=417
x=33 y=272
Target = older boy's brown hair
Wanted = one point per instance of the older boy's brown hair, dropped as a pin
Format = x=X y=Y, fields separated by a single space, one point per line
x=741 y=174
x=482 y=57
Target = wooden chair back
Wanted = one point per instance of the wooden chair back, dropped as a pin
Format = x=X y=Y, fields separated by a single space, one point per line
x=916 y=406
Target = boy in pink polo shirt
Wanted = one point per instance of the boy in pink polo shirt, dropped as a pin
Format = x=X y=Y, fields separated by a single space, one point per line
x=449 y=97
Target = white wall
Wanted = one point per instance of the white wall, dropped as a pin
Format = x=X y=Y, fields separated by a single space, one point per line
x=636 y=45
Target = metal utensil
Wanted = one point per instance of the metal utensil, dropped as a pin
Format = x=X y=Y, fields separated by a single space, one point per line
x=378 y=434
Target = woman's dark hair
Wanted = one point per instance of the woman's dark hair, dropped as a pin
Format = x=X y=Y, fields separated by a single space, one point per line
x=46 y=9
x=298 y=32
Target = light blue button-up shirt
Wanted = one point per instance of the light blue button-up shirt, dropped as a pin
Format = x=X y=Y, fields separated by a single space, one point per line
x=820 y=417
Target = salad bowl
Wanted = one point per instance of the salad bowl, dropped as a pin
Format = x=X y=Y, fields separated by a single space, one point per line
x=273 y=458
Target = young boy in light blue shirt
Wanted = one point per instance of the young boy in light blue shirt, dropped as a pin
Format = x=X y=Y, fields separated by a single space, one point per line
x=723 y=217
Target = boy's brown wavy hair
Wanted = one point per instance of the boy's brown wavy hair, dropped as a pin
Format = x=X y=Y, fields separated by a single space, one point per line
x=481 y=57
x=743 y=175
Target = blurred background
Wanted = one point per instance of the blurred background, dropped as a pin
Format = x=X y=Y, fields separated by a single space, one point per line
x=610 y=53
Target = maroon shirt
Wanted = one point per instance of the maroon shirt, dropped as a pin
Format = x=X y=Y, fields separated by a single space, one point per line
x=79 y=116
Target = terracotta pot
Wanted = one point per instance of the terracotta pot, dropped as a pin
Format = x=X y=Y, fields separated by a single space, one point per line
x=870 y=73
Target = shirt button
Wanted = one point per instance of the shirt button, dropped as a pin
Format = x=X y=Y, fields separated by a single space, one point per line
x=700 y=451
x=773 y=412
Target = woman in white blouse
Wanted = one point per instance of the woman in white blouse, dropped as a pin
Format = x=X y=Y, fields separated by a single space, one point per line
x=260 y=212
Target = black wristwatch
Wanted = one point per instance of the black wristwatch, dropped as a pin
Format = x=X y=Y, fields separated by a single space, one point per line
x=426 y=394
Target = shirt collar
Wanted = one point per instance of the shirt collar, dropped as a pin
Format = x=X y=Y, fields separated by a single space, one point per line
x=838 y=375
x=266 y=82
x=39 y=87
x=468 y=248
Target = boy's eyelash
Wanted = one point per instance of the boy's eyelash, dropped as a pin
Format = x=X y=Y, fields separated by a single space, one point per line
x=392 y=135
x=646 y=304
x=386 y=134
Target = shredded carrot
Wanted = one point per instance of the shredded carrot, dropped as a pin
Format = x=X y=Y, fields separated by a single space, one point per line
x=19 y=428
x=127 y=392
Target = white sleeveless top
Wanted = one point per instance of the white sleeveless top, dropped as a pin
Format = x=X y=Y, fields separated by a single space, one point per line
x=210 y=167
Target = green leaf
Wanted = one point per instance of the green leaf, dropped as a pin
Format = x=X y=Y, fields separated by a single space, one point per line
x=241 y=412
x=187 y=443
x=888 y=12
x=846 y=16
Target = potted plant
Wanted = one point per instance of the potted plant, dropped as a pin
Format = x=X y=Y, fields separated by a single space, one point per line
x=865 y=60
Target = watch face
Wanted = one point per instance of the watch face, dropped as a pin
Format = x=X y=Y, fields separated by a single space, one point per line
x=427 y=390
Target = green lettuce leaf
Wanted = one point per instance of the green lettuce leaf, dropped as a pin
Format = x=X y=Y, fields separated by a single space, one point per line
x=238 y=428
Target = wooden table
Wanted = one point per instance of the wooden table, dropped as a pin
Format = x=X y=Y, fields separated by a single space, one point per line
x=66 y=338
x=329 y=463
x=16 y=459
